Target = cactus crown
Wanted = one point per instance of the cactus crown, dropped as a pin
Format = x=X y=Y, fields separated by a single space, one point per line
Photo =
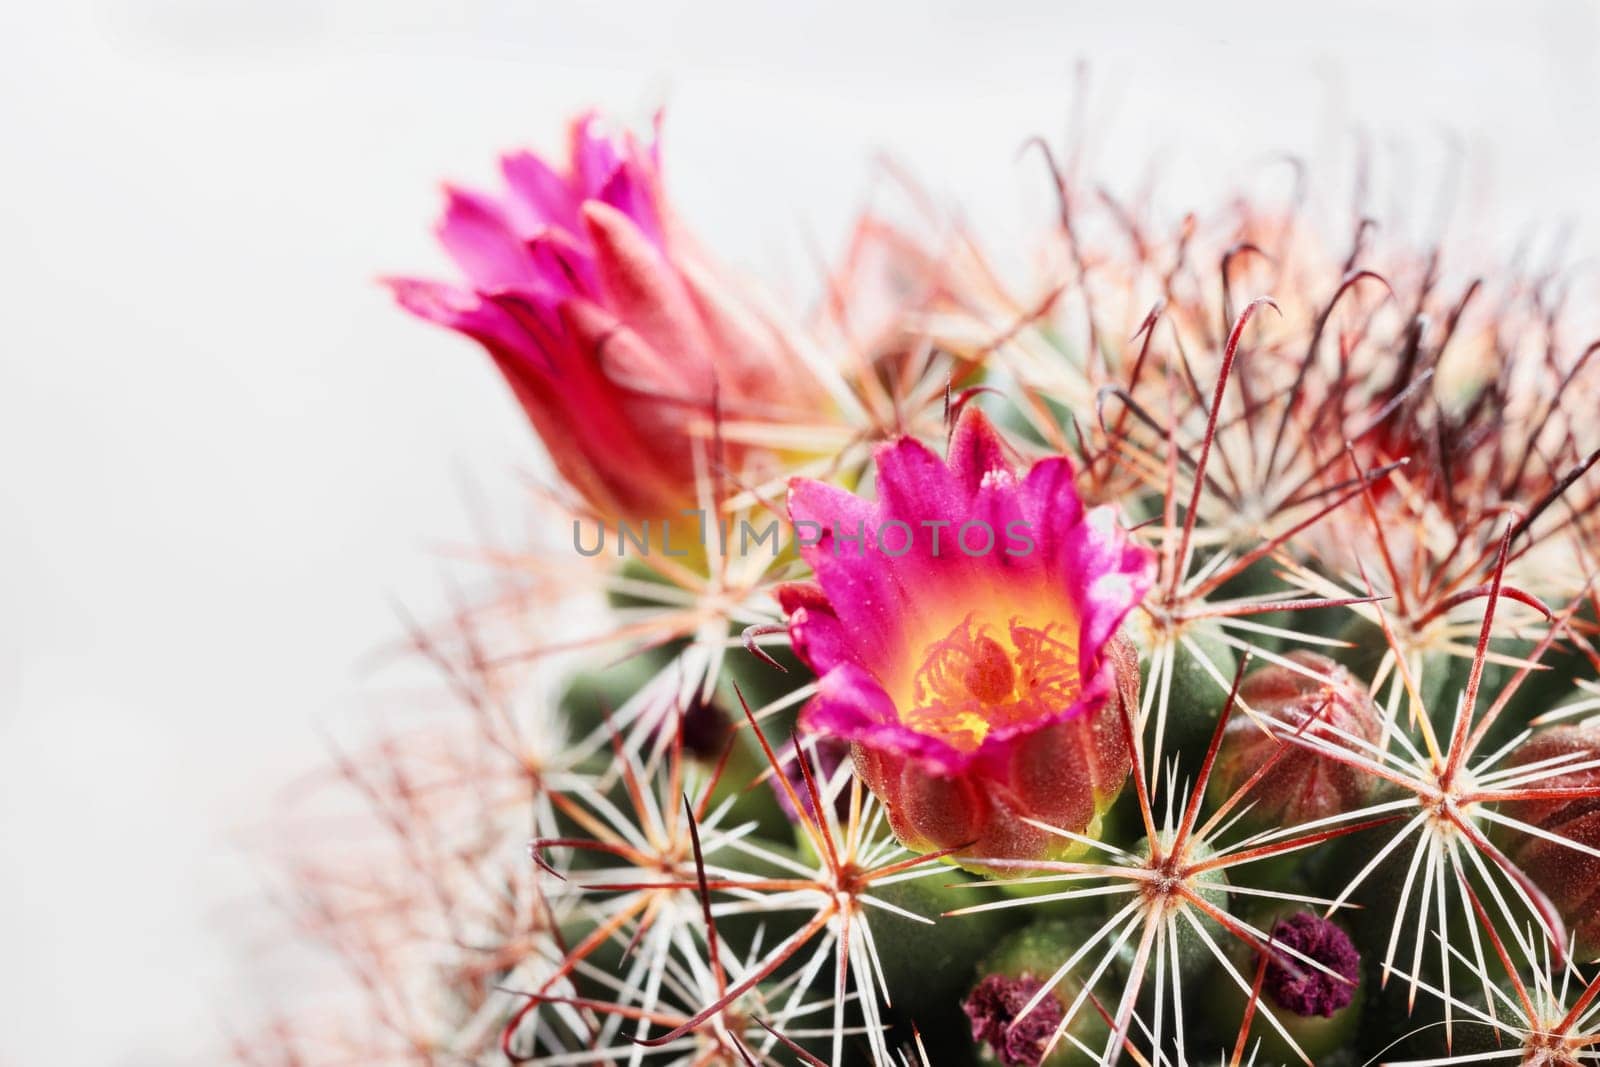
x=1254 y=732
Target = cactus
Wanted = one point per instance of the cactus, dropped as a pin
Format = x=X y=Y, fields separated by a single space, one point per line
x=1239 y=716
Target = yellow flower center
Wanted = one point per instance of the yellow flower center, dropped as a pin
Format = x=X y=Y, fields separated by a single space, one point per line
x=980 y=676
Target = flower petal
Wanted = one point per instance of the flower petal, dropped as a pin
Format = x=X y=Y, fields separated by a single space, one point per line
x=815 y=632
x=852 y=706
x=861 y=584
x=1116 y=574
x=478 y=235
x=641 y=289
x=541 y=196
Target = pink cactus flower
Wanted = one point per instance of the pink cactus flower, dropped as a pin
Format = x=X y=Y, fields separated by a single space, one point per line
x=616 y=336
x=964 y=629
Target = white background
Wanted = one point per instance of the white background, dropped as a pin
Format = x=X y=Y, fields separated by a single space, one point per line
x=223 y=453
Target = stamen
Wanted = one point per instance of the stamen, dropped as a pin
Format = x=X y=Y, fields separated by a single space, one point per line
x=989 y=677
x=974 y=679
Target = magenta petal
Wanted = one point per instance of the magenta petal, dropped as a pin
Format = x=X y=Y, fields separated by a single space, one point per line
x=458 y=309
x=542 y=196
x=630 y=192
x=1016 y=551
x=481 y=240
x=820 y=639
x=978 y=455
x=594 y=155
x=1116 y=575
x=563 y=267
x=864 y=591
x=1050 y=500
x=916 y=486
x=852 y=706
x=792 y=596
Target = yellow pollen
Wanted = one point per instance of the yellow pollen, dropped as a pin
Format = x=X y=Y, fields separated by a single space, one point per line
x=980 y=676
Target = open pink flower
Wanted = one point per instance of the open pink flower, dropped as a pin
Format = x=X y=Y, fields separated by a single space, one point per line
x=964 y=629
x=617 y=338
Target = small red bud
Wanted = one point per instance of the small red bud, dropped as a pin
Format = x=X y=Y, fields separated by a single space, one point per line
x=1304 y=785
x=1571 y=879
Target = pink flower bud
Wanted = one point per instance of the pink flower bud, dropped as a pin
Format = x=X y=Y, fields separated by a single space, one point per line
x=618 y=339
x=1303 y=785
x=981 y=691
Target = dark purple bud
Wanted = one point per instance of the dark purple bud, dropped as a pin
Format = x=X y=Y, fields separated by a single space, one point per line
x=823 y=760
x=1297 y=987
x=706 y=730
x=993 y=1006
